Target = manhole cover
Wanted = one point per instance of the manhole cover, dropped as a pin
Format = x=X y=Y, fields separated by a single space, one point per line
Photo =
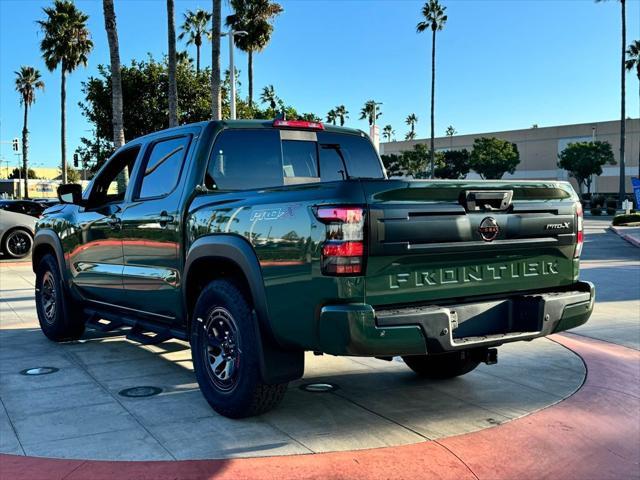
x=39 y=371
x=139 y=392
x=319 y=387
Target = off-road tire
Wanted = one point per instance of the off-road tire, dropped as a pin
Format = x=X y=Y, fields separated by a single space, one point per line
x=243 y=394
x=63 y=321
x=446 y=365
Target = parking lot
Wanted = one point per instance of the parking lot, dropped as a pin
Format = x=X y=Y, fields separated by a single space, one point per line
x=79 y=411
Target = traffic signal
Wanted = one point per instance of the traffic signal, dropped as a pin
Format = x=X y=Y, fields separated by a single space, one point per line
x=14 y=145
x=75 y=160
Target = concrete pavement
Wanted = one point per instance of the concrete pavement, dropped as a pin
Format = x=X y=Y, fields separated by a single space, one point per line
x=378 y=403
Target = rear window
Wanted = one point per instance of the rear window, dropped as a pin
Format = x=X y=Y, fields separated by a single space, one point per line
x=254 y=159
x=357 y=153
x=246 y=159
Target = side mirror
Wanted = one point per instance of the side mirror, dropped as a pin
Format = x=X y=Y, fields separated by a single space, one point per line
x=70 y=193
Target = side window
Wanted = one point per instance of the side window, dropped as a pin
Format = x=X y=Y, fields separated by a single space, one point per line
x=111 y=185
x=245 y=159
x=162 y=169
x=299 y=162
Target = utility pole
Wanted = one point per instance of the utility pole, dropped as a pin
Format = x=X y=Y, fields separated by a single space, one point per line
x=232 y=70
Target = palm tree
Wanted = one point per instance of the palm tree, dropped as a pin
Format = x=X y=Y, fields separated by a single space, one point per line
x=66 y=43
x=332 y=116
x=256 y=18
x=342 y=113
x=269 y=96
x=451 y=131
x=411 y=135
x=116 y=73
x=173 y=60
x=216 y=100
x=434 y=19
x=370 y=111
x=411 y=120
x=27 y=82
x=388 y=132
x=622 y=185
x=194 y=28
x=633 y=61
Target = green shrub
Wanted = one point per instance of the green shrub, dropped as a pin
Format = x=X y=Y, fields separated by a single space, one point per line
x=596 y=211
x=611 y=211
x=612 y=202
x=626 y=219
x=597 y=201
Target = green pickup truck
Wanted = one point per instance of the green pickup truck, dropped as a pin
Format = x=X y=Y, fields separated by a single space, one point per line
x=259 y=240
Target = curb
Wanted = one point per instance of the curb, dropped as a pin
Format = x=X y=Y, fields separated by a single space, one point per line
x=629 y=238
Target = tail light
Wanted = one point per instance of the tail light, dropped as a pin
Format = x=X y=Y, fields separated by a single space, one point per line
x=298 y=124
x=343 y=252
x=580 y=231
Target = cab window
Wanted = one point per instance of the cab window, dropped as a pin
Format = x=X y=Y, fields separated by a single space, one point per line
x=111 y=184
x=161 y=171
x=245 y=159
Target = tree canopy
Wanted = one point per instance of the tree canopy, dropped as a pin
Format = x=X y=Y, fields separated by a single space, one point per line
x=584 y=159
x=492 y=157
x=452 y=164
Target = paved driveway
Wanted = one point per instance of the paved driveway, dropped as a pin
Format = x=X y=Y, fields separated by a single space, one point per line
x=77 y=412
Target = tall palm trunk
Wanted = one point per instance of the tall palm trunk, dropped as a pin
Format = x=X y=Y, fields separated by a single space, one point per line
x=25 y=146
x=622 y=102
x=433 y=95
x=250 y=72
x=116 y=73
x=216 y=102
x=63 y=122
x=173 y=87
x=197 y=58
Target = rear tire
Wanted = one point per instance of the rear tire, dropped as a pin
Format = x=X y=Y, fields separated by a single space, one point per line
x=446 y=365
x=225 y=348
x=17 y=243
x=60 y=318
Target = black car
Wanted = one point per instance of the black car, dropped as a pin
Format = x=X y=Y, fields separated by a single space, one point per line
x=26 y=207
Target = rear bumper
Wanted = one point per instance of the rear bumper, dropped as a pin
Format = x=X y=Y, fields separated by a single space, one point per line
x=357 y=329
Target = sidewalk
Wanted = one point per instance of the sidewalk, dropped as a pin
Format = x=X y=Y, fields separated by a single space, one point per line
x=630 y=234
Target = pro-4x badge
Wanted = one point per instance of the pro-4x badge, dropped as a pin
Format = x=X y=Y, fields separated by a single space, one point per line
x=488 y=229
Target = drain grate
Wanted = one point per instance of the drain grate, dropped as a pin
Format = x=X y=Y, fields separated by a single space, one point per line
x=140 y=392
x=319 y=387
x=38 y=371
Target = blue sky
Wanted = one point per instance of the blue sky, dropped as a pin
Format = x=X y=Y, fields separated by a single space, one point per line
x=500 y=64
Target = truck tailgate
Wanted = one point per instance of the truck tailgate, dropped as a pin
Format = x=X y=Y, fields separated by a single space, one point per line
x=439 y=240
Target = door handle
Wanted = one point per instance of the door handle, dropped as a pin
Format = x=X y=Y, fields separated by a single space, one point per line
x=114 y=222
x=164 y=219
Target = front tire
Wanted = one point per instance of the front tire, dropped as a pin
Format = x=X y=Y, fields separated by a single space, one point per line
x=446 y=365
x=225 y=348
x=60 y=319
x=17 y=243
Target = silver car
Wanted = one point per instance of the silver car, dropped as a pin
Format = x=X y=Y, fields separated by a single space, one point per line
x=16 y=233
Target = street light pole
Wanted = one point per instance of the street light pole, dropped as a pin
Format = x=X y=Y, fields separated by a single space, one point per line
x=232 y=70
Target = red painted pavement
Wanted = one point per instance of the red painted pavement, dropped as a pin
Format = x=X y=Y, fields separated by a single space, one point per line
x=594 y=434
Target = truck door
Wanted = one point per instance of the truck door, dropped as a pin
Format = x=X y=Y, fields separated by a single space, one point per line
x=97 y=261
x=151 y=226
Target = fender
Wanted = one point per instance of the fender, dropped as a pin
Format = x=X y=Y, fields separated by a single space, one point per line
x=278 y=365
x=50 y=238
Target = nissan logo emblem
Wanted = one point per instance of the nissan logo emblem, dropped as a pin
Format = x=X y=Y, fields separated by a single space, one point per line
x=489 y=229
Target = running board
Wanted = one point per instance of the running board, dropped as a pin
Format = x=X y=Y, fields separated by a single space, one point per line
x=142 y=331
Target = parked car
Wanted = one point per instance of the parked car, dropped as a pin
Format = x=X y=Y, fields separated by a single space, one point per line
x=16 y=233
x=259 y=240
x=27 y=207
